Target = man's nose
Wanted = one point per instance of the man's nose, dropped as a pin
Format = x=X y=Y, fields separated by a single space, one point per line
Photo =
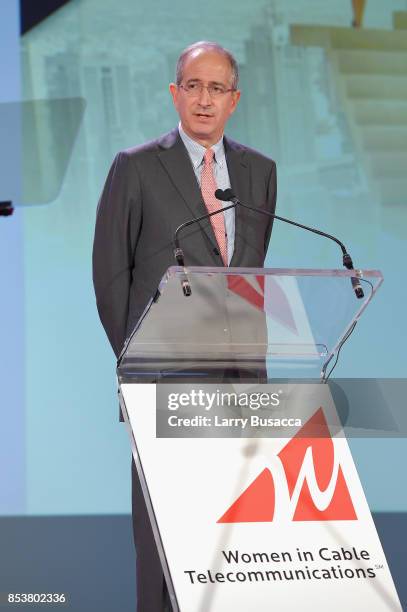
x=204 y=97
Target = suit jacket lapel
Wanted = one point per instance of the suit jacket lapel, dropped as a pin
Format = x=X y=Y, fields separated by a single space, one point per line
x=239 y=175
x=176 y=161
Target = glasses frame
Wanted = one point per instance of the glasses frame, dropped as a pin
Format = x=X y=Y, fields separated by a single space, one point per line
x=201 y=87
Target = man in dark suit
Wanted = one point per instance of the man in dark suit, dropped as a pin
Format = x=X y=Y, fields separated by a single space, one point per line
x=149 y=192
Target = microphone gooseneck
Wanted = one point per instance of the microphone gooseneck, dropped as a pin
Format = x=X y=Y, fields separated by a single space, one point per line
x=179 y=253
x=227 y=195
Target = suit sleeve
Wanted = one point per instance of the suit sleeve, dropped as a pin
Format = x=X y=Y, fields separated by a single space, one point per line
x=118 y=221
x=271 y=203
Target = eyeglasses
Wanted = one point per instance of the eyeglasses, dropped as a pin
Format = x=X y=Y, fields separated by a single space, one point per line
x=195 y=89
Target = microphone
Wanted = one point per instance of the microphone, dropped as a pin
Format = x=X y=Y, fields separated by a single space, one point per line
x=227 y=195
x=179 y=253
x=179 y=256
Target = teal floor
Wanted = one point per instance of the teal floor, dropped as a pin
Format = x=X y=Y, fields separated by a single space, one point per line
x=91 y=559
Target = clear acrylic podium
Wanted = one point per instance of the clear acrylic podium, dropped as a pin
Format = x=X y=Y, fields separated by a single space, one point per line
x=243 y=326
x=291 y=321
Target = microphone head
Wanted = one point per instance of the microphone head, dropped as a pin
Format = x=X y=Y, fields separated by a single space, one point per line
x=224 y=194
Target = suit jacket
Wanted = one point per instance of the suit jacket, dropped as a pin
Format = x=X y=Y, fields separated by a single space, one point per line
x=150 y=190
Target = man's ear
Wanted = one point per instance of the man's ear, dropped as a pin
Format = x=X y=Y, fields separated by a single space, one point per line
x=235 y=100
x=174 y=93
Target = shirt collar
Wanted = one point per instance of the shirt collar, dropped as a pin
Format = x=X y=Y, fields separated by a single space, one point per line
x=197 y=151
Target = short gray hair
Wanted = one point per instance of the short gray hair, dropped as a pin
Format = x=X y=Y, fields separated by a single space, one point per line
x=207 y=46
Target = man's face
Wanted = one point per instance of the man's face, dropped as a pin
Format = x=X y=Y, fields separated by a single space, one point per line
x=203 y=117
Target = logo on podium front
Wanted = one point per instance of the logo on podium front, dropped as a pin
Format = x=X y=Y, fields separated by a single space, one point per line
x=313 y=477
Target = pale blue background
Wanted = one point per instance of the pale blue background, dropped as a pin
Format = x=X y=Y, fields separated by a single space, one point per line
x=62 y=448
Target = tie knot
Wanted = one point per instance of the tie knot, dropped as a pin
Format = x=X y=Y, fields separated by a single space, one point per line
x=208 y=157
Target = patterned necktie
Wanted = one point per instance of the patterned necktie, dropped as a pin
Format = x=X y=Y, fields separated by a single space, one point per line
x=208 y=188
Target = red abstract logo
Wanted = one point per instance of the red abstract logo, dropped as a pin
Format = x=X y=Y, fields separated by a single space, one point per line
x=276 y=304
x=317 y=490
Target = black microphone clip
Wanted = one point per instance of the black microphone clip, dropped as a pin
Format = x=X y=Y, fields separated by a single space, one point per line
x=179 y=256
x=186 y=287
x=357 y=287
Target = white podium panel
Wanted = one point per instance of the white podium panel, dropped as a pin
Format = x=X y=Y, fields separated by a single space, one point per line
x=260 y=523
